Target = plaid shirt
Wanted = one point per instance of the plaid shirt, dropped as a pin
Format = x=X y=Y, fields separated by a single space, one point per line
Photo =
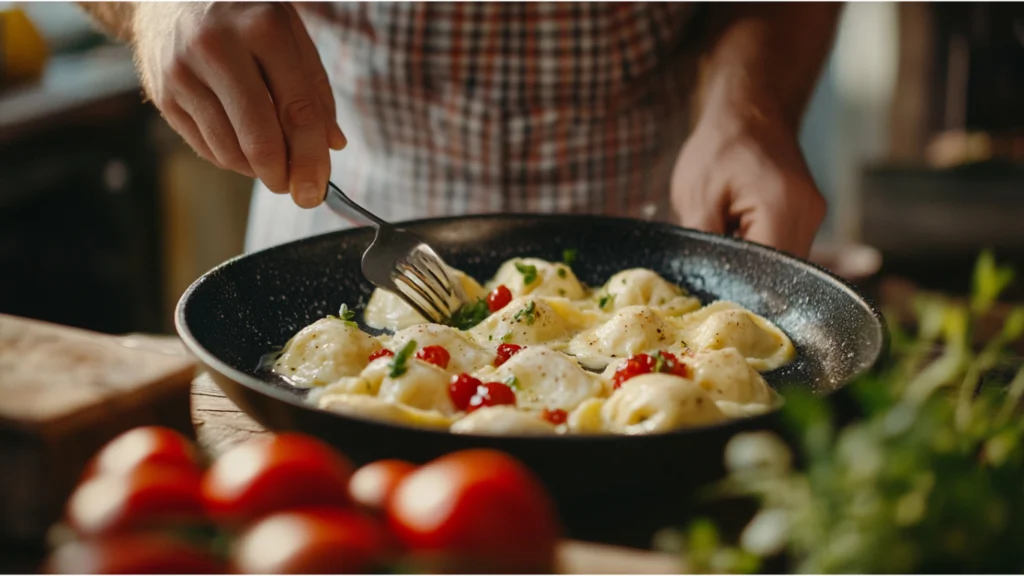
x=458 y=108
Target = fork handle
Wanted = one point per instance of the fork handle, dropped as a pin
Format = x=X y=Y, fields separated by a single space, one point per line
x=348 y=209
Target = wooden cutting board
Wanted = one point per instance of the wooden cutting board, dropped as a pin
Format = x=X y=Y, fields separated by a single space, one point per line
x=64 y=392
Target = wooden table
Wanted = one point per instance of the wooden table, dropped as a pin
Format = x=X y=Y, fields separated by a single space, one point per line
x=220 y=425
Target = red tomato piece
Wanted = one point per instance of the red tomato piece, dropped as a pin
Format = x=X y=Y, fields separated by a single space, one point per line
x=481 y=508
x=499 y=298
x=149 y=496
x=505 y=351
x=435 y=355
x=670 y=364
x=372 y=485
x=382 y=353
x=141 y=553
x=142 y=446
x=268 y=474
x=635 y=365
x=462 y=389
x=556 y=416
x=312 y=541
x=491 y=394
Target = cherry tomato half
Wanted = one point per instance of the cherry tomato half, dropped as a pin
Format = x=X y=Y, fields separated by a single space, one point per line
x=312 y=541
x=148 y=496
x=272 y=473
x=462 y=389
x=635 y=365
x=144 y=445
x=372 y=485
x=499 y=298
x=383 y=352
x=435 y=355
x=143 y=553
x=480 y=507
x=505 y=351
x=556 y=416
x=492 y=394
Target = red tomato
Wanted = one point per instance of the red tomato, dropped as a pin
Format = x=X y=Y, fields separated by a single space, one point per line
x=462 y=389
x=312 y=541
x=144 y=553
x=671 y=365
x=435 y=355
x=556 y=416
x=380 y=354
x=505 y=351
x=481 y=507
x=144 y=445
x=273 y=473
x=150 y=495
x=372 y=485
x=492 y=394
x=499 y=298
x=635 y=365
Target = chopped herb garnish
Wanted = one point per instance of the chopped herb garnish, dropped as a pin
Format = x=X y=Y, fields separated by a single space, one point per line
x=569 y=256
x=561 y=291
x=606 y=300
x=345 y=315
x=397 y=363
x=659 y=361
x=529 y=272
x=528 y=313
x=562 y=273
x=470 y=315
x=512 y=382
x=507 y=336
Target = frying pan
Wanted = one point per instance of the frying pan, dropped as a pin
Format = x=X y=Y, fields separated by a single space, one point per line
x=608 y=488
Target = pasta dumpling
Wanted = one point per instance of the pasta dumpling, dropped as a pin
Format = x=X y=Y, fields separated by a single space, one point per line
x=524 y=321
x=422 y=386
x=544 y=378
x=536 y=277
x=586 y=418
x=465 y=355
x=373 y=407
x=324 y=352
x=643 y=287
x=629 y=331
x=726 y=375
x=727 y=325
x=658 y=403
x=502 y=420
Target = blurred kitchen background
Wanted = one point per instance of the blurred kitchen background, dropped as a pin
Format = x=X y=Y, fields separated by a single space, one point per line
x=915 y=135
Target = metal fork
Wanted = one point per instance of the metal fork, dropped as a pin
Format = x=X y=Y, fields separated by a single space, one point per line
x=402 y=263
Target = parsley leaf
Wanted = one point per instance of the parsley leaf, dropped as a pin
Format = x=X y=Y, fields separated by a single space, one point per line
x=562 y=273
x=529 y=272
x=569 y=256
x=606 y=300
x=659 y=362
x=346 y=315
x=397 y=364
x=529 y=313
x=512 y=382
x=470 y=315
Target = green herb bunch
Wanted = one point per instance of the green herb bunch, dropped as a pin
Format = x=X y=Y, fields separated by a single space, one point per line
x=930 y=479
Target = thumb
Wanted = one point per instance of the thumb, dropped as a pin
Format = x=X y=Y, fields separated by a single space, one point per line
x=699 y=212
x=771 y=229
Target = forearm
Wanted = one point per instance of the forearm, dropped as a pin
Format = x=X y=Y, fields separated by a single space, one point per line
x=115 y=17
x=764 y=59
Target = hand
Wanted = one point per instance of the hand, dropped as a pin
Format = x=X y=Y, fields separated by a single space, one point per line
x=746 y=175
x=244 y=85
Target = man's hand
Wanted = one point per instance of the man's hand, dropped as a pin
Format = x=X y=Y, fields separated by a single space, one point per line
x=244 y=85
x=747 y=176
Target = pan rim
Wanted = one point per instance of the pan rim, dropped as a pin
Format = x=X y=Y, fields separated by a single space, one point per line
x=258 y=386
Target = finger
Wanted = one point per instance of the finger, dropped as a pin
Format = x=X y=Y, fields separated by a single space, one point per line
x=210 y=118
x=315 y=69
x=184 y=125
x=299 y=111
x=707 y=216
x=232 y=75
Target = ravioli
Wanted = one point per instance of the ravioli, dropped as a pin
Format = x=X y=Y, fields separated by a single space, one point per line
x=658 y=403
x=544 y=378
x=324 y=352
x=549 y=341
x=725 y=324
x=545 y=279
x=643 y=287
x=503 y=421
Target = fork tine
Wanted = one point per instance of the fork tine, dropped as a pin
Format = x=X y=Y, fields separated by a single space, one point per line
x=430 y=267
x=414 y=297
x=435 y=289
x=410 y=276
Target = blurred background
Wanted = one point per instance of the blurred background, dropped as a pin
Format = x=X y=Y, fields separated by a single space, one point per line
x=915 y=135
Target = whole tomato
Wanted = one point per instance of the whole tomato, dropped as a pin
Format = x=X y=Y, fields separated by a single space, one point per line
x=148 y=496
x=312 y=541
x=272 y=473
x=141 y=446
x=143 y=553
x=476 y=510
x=373 y=484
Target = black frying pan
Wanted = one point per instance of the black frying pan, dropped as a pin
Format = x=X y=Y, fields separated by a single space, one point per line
x=610 y=488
